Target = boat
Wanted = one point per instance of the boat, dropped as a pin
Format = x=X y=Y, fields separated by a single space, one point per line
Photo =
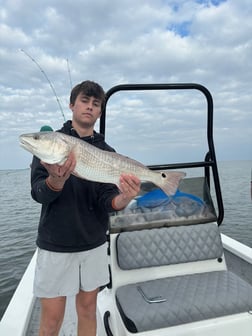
x=171 y=270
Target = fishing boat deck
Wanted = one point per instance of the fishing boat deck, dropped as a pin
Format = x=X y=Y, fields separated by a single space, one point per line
x=238 y=258
x=234 y=263
x=137 y=223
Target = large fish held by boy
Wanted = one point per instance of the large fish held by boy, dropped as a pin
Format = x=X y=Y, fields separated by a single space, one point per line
x=93 y=163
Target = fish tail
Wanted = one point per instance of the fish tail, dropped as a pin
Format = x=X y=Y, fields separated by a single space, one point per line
x=170 y=181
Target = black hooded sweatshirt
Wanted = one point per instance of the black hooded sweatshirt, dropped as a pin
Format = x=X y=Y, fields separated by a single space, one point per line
x=76 y=218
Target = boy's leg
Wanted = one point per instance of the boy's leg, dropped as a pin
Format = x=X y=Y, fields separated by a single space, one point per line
x=52 y=314
x=86 y=311
x=94 y=273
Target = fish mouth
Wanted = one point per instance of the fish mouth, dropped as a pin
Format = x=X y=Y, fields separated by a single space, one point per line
x=25 y=144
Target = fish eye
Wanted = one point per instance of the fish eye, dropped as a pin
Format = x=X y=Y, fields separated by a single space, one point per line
x=36 y=137
x=163 y=175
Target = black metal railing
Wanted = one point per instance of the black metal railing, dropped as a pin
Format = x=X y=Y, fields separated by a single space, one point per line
x=209 y=161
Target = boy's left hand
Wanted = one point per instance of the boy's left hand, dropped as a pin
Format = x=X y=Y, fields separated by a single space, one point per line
x=129 y=185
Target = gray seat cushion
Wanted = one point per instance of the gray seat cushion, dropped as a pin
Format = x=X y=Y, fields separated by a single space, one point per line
x=182 y=299
x=168 y=245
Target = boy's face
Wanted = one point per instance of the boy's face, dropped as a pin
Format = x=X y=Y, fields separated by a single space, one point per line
x=86 y=110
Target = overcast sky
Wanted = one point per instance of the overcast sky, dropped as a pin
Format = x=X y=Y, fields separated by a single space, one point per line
x=127 y=41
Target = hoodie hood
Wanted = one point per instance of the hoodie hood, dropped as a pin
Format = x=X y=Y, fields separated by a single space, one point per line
x=96 y=139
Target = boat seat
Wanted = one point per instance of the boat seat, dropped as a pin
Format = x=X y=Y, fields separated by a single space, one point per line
x=174 y=300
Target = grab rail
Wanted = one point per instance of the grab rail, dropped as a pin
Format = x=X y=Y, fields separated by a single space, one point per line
x=210 y=157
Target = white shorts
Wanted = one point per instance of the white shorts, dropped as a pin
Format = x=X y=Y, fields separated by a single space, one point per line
x=65 y=274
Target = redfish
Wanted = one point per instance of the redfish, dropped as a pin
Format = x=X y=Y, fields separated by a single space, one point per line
x=93 y=163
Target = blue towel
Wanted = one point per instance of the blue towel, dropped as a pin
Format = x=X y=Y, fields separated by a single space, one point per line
x=185 y=204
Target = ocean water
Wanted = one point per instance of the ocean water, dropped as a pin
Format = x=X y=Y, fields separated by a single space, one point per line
x=19 y=216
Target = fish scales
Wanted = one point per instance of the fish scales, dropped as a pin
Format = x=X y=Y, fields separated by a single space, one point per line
x=105 y=166
x=108 y=166
x=93 y=163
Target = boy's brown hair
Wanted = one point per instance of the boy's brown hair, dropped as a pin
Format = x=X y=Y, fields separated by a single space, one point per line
x=90 y=89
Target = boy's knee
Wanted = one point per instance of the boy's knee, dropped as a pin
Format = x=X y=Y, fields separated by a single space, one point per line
x=50 y=327
x=86 y=305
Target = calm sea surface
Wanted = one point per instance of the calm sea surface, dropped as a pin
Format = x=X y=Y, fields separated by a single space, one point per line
x=19 y=216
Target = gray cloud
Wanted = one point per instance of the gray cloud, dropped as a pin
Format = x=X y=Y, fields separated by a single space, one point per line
x=113 y=42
